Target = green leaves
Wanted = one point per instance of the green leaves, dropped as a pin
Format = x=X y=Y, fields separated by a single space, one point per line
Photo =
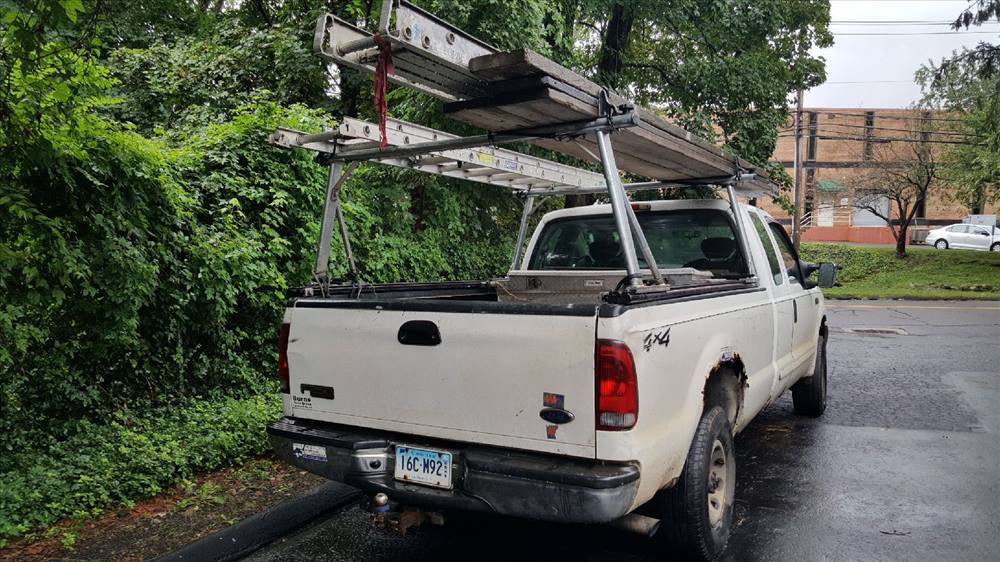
x=92 y=466
x=726 y=65
x=71 y=8
x=971 y=167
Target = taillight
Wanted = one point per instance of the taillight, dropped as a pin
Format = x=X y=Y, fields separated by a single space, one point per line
x=283 y=357
x=617 y=387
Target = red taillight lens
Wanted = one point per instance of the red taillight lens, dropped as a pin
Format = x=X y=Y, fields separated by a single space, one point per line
x=283 y=357
x=617 y=388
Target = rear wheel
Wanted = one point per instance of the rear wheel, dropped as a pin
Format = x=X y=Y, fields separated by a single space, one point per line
x=809 y=394
x=698 y=510
x=941 y=244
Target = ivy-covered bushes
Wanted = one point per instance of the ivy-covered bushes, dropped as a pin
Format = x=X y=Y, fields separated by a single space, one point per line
x=147 y=239
x=87 y=466
x=145 y=275
x=140 y=272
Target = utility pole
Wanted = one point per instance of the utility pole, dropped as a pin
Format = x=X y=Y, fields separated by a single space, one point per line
x=797 y=191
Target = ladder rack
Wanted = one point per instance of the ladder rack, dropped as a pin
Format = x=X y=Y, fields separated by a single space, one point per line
x=497 y=90
x=519 y=96
x=529 y=175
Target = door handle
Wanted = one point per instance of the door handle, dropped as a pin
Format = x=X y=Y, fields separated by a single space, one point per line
x=317 y=391
x=419 y=332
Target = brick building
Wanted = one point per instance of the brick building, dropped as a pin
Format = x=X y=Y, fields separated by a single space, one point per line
x=837 y=147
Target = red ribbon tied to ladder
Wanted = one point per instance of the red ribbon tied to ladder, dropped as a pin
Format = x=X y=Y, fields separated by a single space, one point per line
x=383 y=70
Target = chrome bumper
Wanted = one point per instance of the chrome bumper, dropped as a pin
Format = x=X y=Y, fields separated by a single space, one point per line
x=487 y=479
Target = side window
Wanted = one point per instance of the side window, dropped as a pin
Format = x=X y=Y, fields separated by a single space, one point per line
x=960 y=229
x=979 y=231
x=787 y=253
x=772 y=256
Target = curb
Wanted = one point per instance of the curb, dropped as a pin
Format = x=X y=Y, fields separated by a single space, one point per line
x=267 y=526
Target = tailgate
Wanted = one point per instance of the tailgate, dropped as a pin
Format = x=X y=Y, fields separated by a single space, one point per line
x=485 y=381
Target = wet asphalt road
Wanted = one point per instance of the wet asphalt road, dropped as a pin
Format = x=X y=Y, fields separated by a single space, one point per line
x=904 y=465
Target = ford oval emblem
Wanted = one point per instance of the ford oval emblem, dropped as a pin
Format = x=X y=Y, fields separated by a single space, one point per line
x=556 y=415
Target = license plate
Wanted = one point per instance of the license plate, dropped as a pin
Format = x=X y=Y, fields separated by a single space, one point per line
x=423 y=466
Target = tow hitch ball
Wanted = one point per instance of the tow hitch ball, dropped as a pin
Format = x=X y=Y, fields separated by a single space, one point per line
x=380 y=510
x=385 y=518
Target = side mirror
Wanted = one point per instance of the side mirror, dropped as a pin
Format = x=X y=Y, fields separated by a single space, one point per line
x=827 y=275
x=808 y=268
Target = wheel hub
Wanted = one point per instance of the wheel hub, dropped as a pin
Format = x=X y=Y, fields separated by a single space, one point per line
x=719 y=480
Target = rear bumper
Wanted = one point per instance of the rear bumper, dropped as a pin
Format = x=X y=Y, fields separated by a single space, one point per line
x=486 y=479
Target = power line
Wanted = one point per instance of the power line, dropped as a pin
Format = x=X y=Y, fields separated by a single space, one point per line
x=886 y=33
x=884 y=139
x=883 y=127
x=881 y=116
x=893 y=22
x=869 y=82
x=890 y=139
x=893 y=129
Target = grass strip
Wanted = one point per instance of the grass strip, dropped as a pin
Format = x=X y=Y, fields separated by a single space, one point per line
x=870 y=272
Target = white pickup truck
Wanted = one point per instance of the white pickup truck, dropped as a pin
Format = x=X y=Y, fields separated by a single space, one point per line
x=553 y=393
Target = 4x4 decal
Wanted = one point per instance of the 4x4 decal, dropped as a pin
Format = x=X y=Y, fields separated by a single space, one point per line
x=656 y=338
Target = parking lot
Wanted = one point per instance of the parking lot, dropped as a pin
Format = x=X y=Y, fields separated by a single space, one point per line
x=904 y=465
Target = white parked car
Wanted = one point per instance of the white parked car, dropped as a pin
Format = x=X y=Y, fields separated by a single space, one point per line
x=965 y=236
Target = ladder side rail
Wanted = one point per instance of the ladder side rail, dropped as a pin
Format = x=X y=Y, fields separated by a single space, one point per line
x=332 y=34
x=437 y=39
x=483 y=164
x=401 y=132
x=573 y=128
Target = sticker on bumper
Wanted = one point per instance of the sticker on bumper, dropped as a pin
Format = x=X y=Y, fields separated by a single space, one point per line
x=309 y=452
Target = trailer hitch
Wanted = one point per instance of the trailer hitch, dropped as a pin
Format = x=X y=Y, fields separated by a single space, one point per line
x=385 y=518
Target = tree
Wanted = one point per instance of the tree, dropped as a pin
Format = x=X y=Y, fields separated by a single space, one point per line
x=971 y=166
x=984 y=59
x=708 y=64
x=967 y=84
x=902 y=172
x=711 y=65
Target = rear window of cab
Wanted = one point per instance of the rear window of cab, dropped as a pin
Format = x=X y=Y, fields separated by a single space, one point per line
x=700 y=238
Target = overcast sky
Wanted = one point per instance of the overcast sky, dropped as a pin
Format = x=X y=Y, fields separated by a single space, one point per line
x=876 y=70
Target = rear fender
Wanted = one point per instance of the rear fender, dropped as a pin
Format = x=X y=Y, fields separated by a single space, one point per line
x=719 y=354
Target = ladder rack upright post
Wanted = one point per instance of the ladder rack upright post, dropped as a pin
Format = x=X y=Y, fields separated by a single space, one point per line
x=522 y=230
x=332 y=211
x=619 y=202
x=740 y=227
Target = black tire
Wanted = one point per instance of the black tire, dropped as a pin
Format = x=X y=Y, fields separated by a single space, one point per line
x=995 y=247
x=809 y=394
x=698 y=510
x=941 y=244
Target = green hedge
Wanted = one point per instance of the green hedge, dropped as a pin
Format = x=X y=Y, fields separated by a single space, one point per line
x=139 y=271
x=925 y=273
x=86 y=467
x=854 y=263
